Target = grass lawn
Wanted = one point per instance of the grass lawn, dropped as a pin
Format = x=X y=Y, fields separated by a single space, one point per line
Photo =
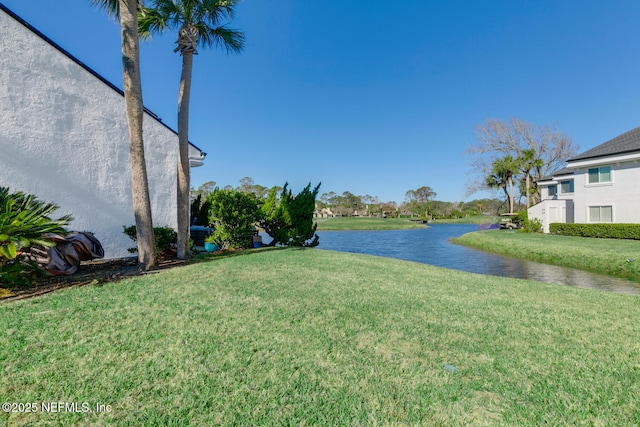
x=365 y=223
x=607 y=256
x=305 y=336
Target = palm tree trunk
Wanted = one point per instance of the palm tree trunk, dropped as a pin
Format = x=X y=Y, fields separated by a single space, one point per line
x=510 y=195
x=134 y=111
x=183 y=155
x=527 y=184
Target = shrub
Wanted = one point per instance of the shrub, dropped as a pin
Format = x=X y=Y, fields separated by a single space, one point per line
x=233 y=214
x=289 y=219
x=200 y=211
x=605 y=231
x=165 y=237
x=532 y=226
x=523 y=216
x=24 y=221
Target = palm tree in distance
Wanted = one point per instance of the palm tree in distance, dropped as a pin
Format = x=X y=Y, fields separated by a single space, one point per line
x=127 y=13
x=198 y=22
x=529 y=161
x=502 y=175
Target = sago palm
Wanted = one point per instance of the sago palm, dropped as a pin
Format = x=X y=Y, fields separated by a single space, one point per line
x=25 y=221
x=198 y=23
x=126 y=11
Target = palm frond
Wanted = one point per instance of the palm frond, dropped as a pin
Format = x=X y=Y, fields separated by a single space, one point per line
x=207 y=16
x=112 y=7
x=231 y=40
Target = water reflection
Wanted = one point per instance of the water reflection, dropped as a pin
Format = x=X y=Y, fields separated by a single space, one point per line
x=431 y=246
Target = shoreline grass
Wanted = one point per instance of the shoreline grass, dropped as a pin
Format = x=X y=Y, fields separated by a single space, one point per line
x=477 y=219
x=620 y=258
x=306 y=336
x=365 y=223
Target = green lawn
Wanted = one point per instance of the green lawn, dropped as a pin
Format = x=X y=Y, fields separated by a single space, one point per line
x=607 y=256
x=365 y=223
x=305 y=336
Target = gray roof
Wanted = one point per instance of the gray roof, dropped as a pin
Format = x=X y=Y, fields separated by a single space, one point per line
x=626 y=143
x=556 y=174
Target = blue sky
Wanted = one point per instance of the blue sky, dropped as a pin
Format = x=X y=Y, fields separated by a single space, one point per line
x=377 y=96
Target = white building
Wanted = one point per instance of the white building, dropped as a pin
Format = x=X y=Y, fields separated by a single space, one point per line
x=599 y=185
x=64 y=138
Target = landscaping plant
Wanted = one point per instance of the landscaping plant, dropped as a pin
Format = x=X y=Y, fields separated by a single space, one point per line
x=233 y=214
x=288 y=219
x=165 y=238
x=24 y=221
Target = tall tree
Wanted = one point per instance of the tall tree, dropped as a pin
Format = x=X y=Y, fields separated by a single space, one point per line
x=498 y=139
x=199 y=23
x=528 y=162
x=417 y=201
x=502 y=175
x=127 y=12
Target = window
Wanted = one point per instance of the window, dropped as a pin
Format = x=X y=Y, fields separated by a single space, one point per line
x=553 y=190
x=600 y=214
x=602 y=174
x=566 y=186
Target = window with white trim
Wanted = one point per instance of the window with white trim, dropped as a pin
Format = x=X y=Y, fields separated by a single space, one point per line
x=600 y=214
x=566 y=186
x=552 y=190
x=602 y=174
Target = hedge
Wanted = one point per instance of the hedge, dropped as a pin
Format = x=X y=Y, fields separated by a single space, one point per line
x=605 y=231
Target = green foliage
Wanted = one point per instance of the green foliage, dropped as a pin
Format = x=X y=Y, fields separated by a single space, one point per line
x=200 y=211
x=24 y=221
x=528 y=226
x=289 y=219
x=532 y=225
x=605 y=231
x=523 y=216
x=165 y=237
x=233 y=214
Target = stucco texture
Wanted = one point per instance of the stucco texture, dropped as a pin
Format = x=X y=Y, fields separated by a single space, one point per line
x=64 y=138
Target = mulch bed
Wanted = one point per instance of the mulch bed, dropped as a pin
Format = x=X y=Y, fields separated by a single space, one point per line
x=91 y=272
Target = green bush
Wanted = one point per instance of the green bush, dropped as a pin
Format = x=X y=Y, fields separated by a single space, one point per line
x=233 y=214
x=24 y=221
x=605 y=231
x=165 y=237
x=288 y=219
x=532 y=226
x=523 y=216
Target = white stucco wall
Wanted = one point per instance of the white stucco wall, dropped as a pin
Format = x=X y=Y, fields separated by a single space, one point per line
x=622 y=193
x=552 y=210
x=64 y=138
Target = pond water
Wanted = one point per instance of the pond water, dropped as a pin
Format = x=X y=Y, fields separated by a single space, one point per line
x=431 y=246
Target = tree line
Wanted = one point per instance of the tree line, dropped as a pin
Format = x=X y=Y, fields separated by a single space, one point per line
x=417 y=203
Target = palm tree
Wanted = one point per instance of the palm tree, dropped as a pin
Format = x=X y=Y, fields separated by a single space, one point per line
x=198 y=23
x=502 y=175
x=529 y=161
x=126 y=11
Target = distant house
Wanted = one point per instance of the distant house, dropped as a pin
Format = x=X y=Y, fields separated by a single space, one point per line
x=323 y=213
x=64 y=138
x=601 y=185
